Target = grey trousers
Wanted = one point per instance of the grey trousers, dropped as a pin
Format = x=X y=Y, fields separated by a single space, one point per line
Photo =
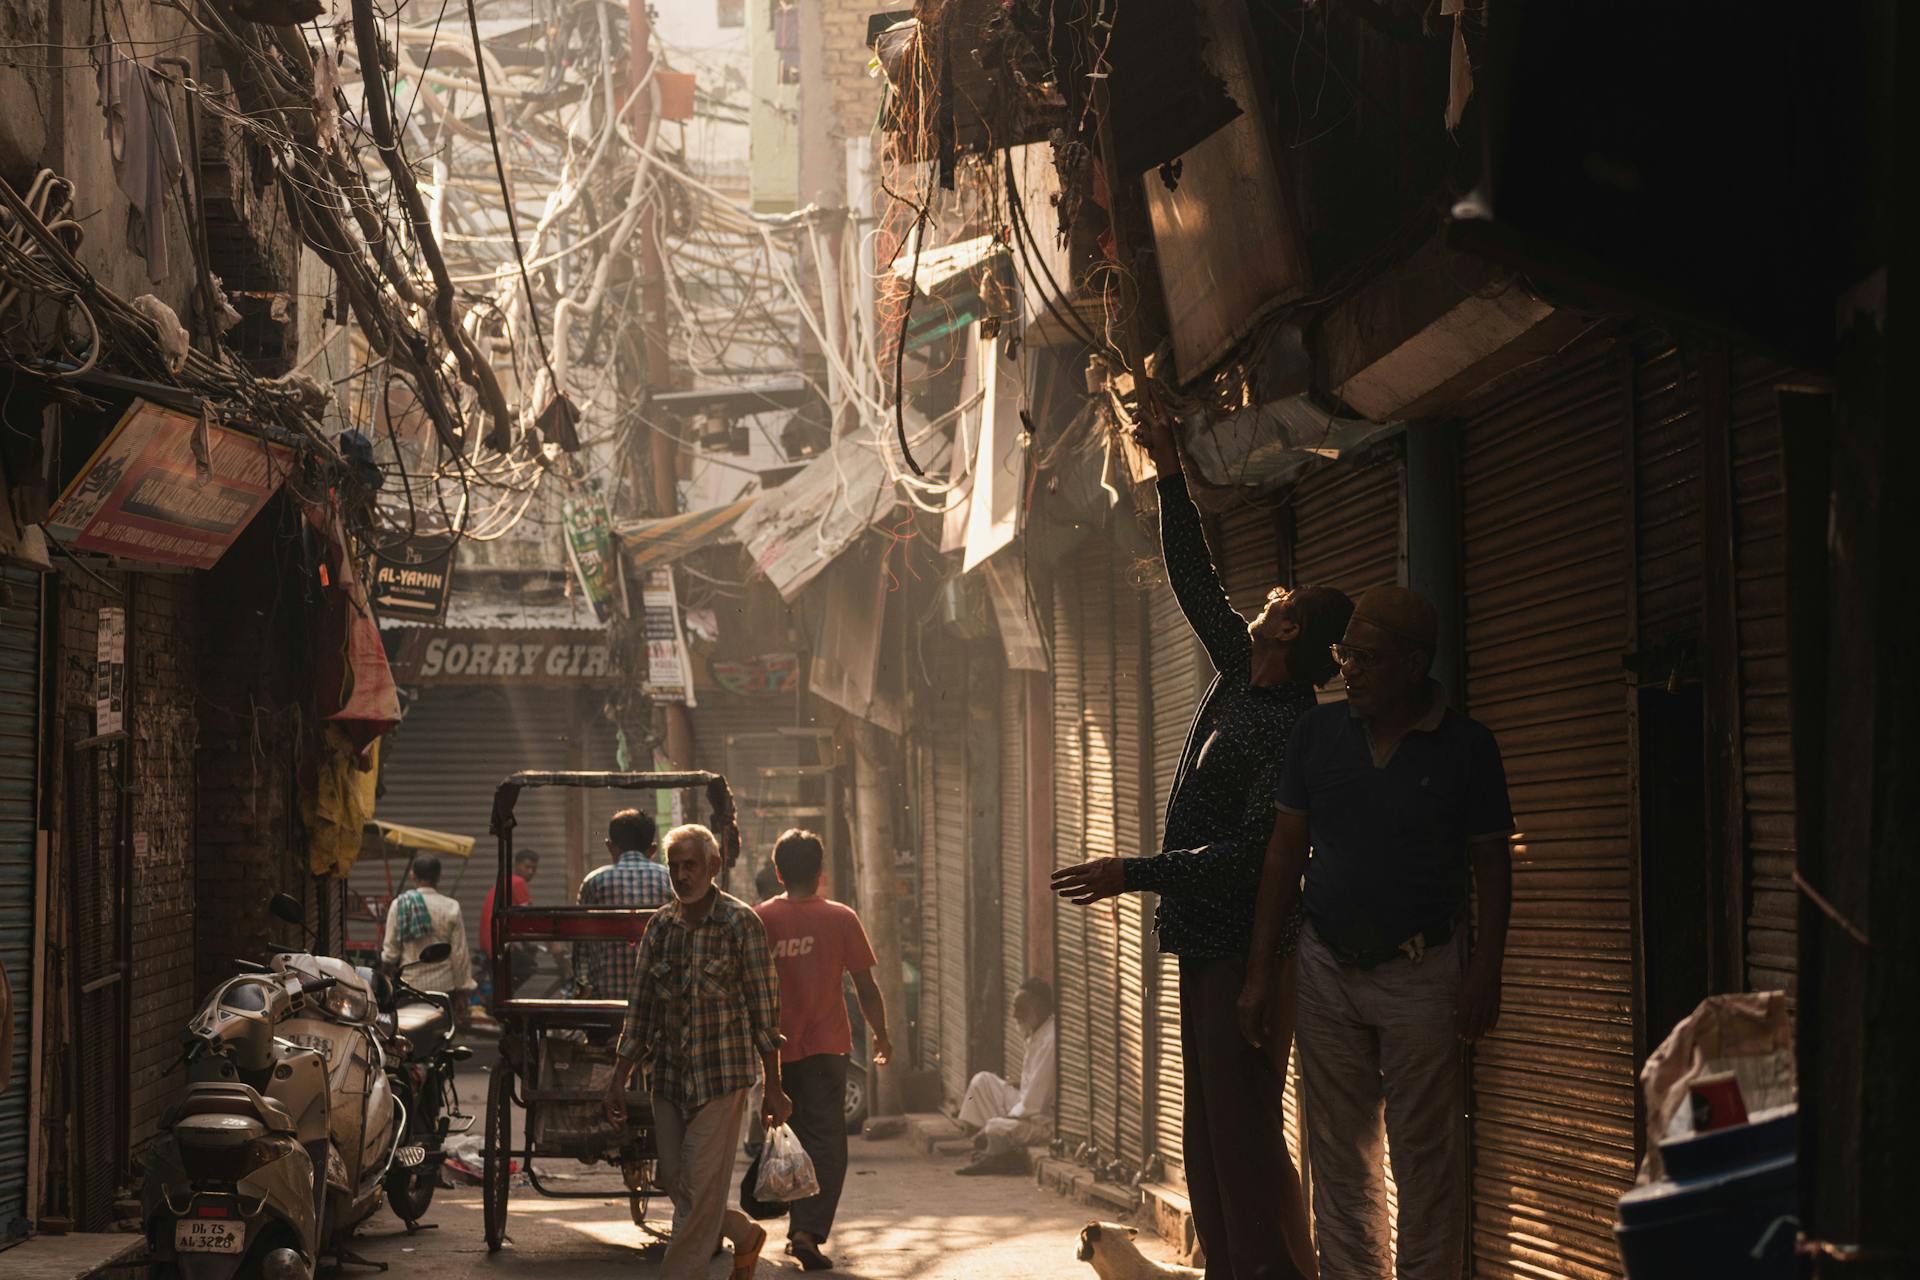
x=818 y=1087
x=696 y=1166
x=1380 y=1044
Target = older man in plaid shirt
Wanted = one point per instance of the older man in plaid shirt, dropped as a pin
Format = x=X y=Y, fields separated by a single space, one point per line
x=704 y=1018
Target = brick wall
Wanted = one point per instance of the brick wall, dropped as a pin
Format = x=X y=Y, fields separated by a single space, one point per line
x=856 y=97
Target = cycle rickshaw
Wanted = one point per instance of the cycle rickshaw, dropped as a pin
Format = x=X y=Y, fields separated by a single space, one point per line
x=555 y=1054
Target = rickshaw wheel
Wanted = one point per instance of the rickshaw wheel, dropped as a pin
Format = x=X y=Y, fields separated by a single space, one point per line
x=637 y=1205
x=499 y=1142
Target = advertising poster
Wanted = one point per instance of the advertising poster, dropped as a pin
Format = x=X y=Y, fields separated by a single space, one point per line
x=589 y=533
x=168 y=488
x=669 y=674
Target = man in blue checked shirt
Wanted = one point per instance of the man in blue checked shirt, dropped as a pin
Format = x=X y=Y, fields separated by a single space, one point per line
x=633 y=879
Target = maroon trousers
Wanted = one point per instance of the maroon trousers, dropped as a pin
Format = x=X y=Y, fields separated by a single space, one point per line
x=1235 y=1135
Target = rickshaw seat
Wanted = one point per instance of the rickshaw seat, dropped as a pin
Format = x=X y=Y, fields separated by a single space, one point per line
x=607 y=1012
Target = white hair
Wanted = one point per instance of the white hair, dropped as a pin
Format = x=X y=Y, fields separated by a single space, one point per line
x=698 y=834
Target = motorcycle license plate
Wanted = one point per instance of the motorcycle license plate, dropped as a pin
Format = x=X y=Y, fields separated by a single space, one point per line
x=209 y=1235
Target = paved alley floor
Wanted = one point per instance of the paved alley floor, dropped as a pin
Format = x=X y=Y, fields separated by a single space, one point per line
x=904 y=1215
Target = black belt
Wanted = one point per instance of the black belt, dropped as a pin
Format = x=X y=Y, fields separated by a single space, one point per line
x=1413 y=948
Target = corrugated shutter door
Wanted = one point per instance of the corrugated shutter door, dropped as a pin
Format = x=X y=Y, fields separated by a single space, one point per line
x=1102 y=836
x=439 y=771
x=1175 y=682
x=950 y=867
x=1070 y=847
x=933 y=1039
x=1544 y=502
x=1130 y=956
x=1348 y=527
x=19 y=764
x=1013 y=862
x=1668 y=493
x=1766 y=745
x=1246 y=548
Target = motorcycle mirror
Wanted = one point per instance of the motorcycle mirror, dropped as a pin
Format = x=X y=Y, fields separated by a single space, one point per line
x=434 y=953
x=460 y=1053
x=285 y=906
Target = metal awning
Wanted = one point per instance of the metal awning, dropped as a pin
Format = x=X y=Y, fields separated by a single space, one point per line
x=383 y=839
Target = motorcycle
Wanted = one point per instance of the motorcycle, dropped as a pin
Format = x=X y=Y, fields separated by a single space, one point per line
x=422 y=1057
x=288 y=1129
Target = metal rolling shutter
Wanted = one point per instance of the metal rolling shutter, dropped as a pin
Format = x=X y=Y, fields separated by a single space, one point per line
x=1075 y=1123
x=1130 y=955
x=1175 y=683
x=440 y=768
x=1766 y=745
x=1013 y=862
x=19 y=774
x=1546 y=598
x=950 y=869
x=1349 y=526
x=1668 y=494
x=1102 y=839
x=933 y=1041
x=1246 y=547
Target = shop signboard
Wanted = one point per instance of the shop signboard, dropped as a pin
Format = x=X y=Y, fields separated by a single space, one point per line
x=499 y=656
x=415 y=579
x=168 y=488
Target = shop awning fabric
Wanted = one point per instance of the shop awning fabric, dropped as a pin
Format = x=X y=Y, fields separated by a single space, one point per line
x=648 y=544
x=383 y=839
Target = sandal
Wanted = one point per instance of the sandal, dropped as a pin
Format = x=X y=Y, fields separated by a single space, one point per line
x=747 y=1257
x=811 y=1259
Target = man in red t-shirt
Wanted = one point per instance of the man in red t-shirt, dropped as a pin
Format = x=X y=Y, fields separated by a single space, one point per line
x=814 y=941
x=525 y=863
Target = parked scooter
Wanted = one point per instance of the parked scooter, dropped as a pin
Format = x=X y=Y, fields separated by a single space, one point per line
x=284 y=1140
x=422 y=1056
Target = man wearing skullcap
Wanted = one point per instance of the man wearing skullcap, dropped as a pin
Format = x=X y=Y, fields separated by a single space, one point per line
x=1398 y=796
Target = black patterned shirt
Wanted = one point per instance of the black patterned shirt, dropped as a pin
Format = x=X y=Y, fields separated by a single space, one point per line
x=1220 y=813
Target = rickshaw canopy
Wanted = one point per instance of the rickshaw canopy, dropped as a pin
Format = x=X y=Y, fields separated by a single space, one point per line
x=383 y=839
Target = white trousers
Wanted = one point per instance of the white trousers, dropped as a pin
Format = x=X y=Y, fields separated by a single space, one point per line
x=990 y=1099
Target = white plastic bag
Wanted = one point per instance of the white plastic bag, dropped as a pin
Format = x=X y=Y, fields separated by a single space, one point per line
x=786 y=1170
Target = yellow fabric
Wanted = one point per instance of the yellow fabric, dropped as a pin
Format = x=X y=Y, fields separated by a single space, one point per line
x=338 y=804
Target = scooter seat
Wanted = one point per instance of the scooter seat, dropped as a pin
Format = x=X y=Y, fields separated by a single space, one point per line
x=422 y=1023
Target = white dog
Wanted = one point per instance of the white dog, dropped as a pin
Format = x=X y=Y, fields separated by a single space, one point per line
x=1109 y=1249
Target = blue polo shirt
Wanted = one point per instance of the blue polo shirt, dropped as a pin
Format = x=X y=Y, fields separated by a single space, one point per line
x=1390 y=834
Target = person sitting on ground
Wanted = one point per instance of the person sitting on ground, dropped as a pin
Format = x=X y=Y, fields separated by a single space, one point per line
x=1007 y=1117
x=633 y=879
x=419 y=918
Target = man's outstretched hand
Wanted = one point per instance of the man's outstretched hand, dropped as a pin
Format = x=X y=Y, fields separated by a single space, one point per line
x=1157 y=432
x=1091 y=882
